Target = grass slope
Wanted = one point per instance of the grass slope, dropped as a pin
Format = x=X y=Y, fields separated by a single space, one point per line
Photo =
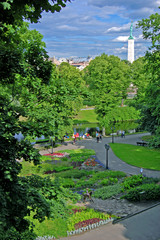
x=86 y=116
x=137 y=156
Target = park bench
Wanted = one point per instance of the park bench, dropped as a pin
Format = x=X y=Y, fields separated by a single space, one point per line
x=142 y=143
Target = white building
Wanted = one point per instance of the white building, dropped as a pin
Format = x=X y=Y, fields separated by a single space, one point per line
x=131 y=46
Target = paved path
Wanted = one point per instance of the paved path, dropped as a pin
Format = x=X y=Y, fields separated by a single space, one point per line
x=143 y=226
x=114 y=162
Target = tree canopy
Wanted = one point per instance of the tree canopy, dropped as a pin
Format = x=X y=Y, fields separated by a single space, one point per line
x=151 y=99
x=33 y=101
x=108 y=78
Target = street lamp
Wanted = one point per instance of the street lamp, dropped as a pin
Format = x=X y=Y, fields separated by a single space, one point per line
x=107 y=148
x=112 y=134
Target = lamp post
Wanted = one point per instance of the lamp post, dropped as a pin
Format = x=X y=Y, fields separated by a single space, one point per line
x=107 y=148
x=112 y=134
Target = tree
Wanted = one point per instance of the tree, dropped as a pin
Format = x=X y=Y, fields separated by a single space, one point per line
x=151 y=100
x=25 y=90
x=108 y=78
x=13 y=11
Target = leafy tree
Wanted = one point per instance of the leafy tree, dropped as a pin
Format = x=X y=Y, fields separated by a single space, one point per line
x=108 y=78
x=151 y=100
x=26 y=90
x=13 y=11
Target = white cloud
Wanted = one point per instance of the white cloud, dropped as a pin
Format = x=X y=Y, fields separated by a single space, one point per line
x=121 y=50
x=67 y=27
x=121 y=39
x=93 y=27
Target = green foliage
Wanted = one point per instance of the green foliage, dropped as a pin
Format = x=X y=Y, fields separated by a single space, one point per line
x=50 y=227
x=155 y=142
x=107 y=192
x=108 y=78
x=61 y=168
x=150 y=101
x=108 y=174
x=79 y=152
x=108 y=181
x=31 y=102
x=67 y=182
x=84 y=215
x=14 y=11
x=53 y=192
x=13 y=234
x=144 y=192
x=123 y=114
x=132 y=181
x=75 y=173
x=84 y=183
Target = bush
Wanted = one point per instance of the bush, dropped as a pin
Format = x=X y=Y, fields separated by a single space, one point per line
x=107 y=174
x=74 y=173
x=84 y=183
x=155 y=142
x=108 y=181
x=67 y=182
x=13 y=234
x=107 y=192
x=132 y=181
x=144 y=192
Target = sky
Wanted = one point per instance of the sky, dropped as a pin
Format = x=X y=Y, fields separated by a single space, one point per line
x=91 y=27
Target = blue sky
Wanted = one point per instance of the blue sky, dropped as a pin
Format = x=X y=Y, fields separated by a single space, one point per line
x=92 y=27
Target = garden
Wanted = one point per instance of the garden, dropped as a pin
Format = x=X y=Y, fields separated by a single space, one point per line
x=63 y=178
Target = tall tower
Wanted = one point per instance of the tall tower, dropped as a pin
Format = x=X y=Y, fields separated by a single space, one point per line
x=131 y=46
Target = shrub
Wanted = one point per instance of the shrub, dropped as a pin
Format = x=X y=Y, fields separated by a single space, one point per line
x=155 y=142
x=132 y=181
x=84 y=183
x=67 y=182
x=107 y=192
x=74 y=173
x=65 y=159
x=144 y=192
x=108 y=181
x=13 y=234
x=107 y=174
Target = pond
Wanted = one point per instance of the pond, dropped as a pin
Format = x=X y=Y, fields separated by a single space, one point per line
x=91 y=128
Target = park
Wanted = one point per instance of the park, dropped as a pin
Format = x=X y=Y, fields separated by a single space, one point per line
x=79 y=149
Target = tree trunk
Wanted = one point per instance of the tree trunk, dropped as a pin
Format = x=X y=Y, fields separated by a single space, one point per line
x=103 y=131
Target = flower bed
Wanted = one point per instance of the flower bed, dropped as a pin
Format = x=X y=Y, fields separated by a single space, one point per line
x=91 y=162
x=87 y=222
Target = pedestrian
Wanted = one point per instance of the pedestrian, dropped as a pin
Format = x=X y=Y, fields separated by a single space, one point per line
x=100 y=137
x=75 y=139
x=141 y=171
x=120 y=133
x=97 y=136
x=123 y=134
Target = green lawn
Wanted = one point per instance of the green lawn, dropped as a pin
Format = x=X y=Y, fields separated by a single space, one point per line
x=137 y=156
x=86 y=116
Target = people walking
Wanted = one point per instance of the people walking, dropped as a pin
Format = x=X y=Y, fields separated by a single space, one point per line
x=97 y=136
x=123 y=134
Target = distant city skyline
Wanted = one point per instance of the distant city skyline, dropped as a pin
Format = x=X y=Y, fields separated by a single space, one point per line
x=89 y=28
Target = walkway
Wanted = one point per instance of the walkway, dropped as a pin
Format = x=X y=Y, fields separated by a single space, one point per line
x=114 y=162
